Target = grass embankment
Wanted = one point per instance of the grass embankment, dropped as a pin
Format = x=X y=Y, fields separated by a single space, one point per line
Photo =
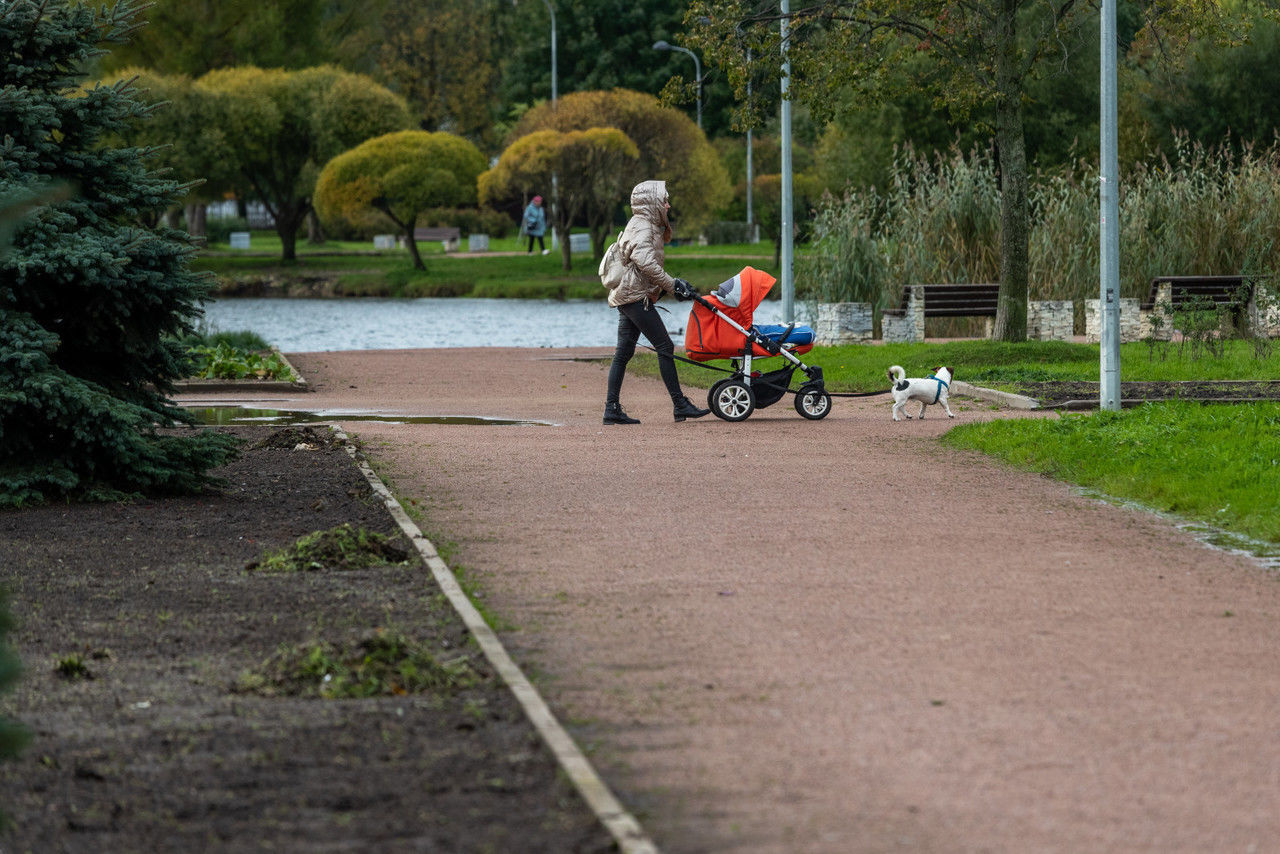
x=1214 y=463
x=353 y=269
x=1218 y=464
x=992 y=364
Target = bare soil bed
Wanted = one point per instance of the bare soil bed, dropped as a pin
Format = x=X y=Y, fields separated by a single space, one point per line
x=1059 y=393
x=137 y=623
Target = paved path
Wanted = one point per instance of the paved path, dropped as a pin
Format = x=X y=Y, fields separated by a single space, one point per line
x=837 y=636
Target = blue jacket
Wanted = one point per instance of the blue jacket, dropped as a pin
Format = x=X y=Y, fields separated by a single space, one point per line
x=534 y=223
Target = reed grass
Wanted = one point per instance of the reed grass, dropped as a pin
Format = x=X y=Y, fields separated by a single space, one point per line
x=1208 y=211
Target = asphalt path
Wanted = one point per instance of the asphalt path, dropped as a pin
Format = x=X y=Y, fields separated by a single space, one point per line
x=835 y=636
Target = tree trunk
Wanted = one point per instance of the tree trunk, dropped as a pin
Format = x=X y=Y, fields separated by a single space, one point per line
x=289 y=219
x=196 y=219
x=412 y=245
x=566 y=260
x=315 y=232
x=1011 y=313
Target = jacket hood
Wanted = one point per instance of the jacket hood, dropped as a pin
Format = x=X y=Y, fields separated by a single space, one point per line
x=648 y=198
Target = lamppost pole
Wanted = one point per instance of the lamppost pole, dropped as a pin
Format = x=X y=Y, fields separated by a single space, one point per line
x=750 y=219
x=1109 y=251
x=697 y=64
x=788 y=247
x=554 y=91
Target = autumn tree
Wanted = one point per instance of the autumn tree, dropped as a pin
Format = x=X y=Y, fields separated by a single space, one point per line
x=282 y=127
x=400 y=175
x=592 y=168
x=671 y=148
x=441 y=59
x=983 y=57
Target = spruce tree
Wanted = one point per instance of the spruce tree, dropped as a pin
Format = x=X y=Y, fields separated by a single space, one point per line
x=92 y=297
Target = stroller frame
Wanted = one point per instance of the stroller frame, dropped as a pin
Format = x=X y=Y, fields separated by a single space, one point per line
x=735 y=398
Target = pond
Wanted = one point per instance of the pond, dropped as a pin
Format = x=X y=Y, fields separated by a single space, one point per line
x=312 y=325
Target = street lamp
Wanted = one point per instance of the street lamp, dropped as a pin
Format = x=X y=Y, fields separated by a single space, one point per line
x=662 y=45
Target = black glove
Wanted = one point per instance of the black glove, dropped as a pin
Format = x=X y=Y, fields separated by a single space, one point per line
x=682 y=290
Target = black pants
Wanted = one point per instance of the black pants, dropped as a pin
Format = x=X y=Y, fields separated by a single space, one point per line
x=636 y=319
x=537 y=237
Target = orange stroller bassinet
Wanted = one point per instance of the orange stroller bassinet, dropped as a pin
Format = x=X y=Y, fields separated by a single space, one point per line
x=720 y=327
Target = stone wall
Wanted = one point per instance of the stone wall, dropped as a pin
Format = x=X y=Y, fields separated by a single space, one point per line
x=1050 y=320
x=905 y=325
x=1134 y=324
x=844 y=323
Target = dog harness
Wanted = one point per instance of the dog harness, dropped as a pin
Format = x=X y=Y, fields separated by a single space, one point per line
x=941 y=385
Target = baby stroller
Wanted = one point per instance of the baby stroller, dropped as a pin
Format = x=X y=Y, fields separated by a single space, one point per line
x=720 y=327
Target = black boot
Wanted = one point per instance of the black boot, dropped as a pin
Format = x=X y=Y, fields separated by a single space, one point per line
x=686 y=409
x=613 y=414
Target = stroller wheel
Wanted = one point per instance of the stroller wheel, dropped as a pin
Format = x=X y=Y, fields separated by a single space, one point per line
x=813 y=402
x=733 y=401
x=711 y=395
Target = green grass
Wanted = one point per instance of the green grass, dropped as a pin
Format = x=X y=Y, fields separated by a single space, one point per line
x=389 y=274
x=861 y=368
x=1218 y=464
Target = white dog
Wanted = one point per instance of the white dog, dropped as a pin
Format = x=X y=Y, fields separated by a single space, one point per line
x=935 y=389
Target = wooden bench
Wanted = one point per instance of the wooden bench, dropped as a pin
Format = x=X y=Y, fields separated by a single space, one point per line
x=1232 y=293
x=906 y=322
x=447 y=235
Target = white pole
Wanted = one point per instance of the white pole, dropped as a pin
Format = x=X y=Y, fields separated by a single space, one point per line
x=1109 y=182
x=750 y=217
x=788 y=284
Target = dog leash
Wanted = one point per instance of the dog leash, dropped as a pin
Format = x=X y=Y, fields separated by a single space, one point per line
x=762 y=381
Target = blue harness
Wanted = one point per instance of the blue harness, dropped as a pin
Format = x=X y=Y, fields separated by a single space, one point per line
x=941 y=384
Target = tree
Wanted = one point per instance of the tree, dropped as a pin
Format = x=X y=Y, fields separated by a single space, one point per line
x=593 y=169
x=671 y=147
x=983 y=55
x=400 y=175
x=91 y=300
x=768 y=192
x=282 y=127
x=184 y=137
x=443 y=62
x=193 y=37
x=1220 y=94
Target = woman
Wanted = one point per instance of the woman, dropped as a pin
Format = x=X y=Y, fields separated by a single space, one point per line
x=643 y=282
x=534 y=224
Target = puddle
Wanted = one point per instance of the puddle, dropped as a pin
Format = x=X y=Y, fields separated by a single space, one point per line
x=225 y=415
x=1267 y=555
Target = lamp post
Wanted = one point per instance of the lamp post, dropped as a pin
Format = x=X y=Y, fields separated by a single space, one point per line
x=788 y=249
x=1109 y=221
x=662 y=45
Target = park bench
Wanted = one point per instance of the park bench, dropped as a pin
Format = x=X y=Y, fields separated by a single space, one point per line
x=1233 y=294
x=447 y=235
x=906 y=322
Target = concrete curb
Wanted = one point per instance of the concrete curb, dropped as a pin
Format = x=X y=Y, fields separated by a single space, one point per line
x=248 y=385
x=1004 y=398
x=621 y=824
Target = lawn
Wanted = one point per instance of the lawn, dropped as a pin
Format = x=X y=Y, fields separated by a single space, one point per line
x=993 y=364
x=356 y=269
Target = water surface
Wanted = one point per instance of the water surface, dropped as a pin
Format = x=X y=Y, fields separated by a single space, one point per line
x=367 y=323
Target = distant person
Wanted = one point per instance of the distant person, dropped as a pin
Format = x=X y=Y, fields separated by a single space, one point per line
x=642 y=283
x=534 y=224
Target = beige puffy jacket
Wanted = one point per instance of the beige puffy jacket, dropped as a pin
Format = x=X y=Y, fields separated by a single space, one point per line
x=641 y=244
